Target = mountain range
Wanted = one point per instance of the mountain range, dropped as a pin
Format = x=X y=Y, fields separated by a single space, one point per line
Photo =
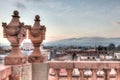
x=85 y=41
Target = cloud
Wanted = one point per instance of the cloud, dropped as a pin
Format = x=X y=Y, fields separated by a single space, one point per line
x=35 y=0
x=20 y=5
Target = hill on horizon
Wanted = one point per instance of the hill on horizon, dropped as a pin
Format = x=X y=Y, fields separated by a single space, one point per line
x=84 y=41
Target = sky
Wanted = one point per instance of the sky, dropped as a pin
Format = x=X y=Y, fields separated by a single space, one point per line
x=67 y=18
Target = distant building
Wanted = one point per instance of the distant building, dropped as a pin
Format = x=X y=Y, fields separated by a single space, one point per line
x=117 y=56
x=27 y=46
x=53 y=53
x=45 y=52
x=100 y=53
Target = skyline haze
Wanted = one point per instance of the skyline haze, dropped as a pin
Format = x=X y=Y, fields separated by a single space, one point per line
x=67 y=18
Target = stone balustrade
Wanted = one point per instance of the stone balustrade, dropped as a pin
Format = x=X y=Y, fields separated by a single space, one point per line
x=92 y=68
x=106 y=67
x=5 y=72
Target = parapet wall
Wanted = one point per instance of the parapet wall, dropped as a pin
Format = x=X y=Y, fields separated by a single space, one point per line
x=16 y=72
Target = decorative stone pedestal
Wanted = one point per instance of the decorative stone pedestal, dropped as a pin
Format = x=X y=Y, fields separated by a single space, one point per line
x=36 y=35
x=35 y=58
x=21 y=72
x=36 y=55
x=15 y=56
x=15 y=32
x=14 y=60
x=5 y=72
x=40 y=71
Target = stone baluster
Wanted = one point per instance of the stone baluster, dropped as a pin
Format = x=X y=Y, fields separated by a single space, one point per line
x=106 y=76
x=94 y=74
x=118 y=74
x=57 y=73
x=69 y=73
x=81 y=74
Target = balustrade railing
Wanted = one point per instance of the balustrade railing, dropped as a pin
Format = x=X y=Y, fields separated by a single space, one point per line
x=76 y=70
x=87 y=70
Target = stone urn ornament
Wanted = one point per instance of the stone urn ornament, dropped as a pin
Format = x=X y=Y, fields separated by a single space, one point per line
x=15 y=32
x=36 y=34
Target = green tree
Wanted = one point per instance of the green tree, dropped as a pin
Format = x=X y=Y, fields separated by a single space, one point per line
x=111 y=46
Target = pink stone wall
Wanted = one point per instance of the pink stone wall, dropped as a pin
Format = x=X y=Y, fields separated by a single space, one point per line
x=21 y=72
x=5 y=72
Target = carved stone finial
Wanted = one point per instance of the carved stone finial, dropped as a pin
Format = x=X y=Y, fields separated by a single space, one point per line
x=4 y=24
x=37 y=18
x=15 y=13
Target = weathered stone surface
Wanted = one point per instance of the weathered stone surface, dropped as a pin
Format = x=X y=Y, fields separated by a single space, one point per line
x=97 y=64
x=82 y=65
x=61 y=64
x=21 y=72
x=15 y=32
x=15 y=60
x=27 y=72
x=36 y=35
x=5 y=72
x=93 y=66
x=39 y=71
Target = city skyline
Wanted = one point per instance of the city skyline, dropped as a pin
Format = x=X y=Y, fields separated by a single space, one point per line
x=67 y=18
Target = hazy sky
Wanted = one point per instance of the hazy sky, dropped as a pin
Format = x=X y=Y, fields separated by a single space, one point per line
x=67 y=18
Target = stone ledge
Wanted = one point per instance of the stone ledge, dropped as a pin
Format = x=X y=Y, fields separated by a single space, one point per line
x=60 y=64
x=97 y=64
x=5 y=71
x=21 y=72
x=15 y=60
x=39 y=71
x=84 y=64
